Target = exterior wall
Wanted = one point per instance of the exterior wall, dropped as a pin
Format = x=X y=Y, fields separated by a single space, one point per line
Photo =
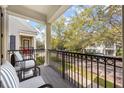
x=18 y=29
x=13 y=30
x=103 y=49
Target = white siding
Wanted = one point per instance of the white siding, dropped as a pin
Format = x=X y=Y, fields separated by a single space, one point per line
x=18 y=27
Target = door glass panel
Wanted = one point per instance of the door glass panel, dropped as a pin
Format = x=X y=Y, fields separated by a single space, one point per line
x=26 y=44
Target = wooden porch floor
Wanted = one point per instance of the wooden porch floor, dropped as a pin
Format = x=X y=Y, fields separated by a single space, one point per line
x=52 y=77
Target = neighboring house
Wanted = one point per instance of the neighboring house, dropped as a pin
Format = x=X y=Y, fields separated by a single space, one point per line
x=21 y=34
x=104 y=49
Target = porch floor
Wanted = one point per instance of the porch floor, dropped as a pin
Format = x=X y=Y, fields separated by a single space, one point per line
x=52 y=77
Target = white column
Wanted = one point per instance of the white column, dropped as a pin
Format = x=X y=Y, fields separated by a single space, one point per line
x=5 y=33
x=114 y=54
x=47 y=43
x=34 y=42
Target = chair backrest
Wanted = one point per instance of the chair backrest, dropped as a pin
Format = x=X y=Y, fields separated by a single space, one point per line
x=18 y=56
x=13 y=61
x=9 y=78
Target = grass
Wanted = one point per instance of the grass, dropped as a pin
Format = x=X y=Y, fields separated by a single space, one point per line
x=55 y=59
x=58 y=60
x=102 y=83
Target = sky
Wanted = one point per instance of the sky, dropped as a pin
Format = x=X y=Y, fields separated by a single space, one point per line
x=69 y=13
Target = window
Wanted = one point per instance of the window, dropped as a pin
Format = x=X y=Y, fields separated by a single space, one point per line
x=12 y=42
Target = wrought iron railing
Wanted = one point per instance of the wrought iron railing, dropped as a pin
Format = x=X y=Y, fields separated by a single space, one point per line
x=86 y=70
x=29 y=54
x=82 y=70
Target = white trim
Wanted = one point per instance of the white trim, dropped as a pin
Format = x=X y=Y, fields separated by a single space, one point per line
x=38 y=19
x=47 y=43
x=5 y=34
x=57 y=13
x=27 y=34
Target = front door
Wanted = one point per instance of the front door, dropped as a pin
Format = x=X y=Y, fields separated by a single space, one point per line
x=26 y=43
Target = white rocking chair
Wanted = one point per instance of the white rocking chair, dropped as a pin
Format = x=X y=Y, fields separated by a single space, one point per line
x=9 y=79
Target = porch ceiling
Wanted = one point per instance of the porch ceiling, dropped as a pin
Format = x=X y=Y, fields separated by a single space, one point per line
x=40 y=13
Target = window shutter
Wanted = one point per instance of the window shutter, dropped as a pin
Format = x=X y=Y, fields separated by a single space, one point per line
x=12 y=42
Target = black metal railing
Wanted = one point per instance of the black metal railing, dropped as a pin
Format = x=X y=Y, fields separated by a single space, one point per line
x=87 y=70
x=81 y=70
x=27 y=54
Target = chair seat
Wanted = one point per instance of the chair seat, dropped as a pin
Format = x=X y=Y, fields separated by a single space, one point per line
x=29 y=63
x=32 y=83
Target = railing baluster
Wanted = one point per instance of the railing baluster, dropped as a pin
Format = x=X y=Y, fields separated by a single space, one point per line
x=114 y=73
x=82 y=69
x=74 y=72
x=71 y=67
x=69 y=64
x=63 y=65
x=91 y=71
x=86 y=70
x=97 y=72
x=105 y=71
x=78 y=69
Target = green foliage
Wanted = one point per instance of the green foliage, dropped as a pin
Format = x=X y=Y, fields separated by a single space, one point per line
x=119 y=52
x=95 y=24
x=39 y=60
x=39 y=44
x=58 y=34
x=55 y=59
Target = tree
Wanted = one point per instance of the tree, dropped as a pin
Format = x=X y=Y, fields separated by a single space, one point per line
x=39 y=44
x=58 y=29
x=89 y=25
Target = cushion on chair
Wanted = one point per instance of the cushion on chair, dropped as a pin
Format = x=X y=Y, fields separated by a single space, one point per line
x=29 y=63
x=32 y=83
x=18 y=56
x=9 y=77
x=26 y=64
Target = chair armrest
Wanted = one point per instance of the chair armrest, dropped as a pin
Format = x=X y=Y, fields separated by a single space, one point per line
x=46 y=86
x=24 y=60
x=27 y=59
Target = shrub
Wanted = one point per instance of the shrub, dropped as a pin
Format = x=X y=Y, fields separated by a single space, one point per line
x=119 y=52
x=40 y=60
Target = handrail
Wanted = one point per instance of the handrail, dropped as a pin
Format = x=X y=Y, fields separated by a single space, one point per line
x=95 y=55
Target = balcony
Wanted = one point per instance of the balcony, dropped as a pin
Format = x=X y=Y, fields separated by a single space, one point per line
x=63 y=69
x=71 y=69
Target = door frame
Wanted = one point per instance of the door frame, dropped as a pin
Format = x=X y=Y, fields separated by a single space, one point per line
x=24 y=42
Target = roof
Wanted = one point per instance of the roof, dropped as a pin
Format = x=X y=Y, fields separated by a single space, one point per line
x=23 y=25
x=39 y=13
